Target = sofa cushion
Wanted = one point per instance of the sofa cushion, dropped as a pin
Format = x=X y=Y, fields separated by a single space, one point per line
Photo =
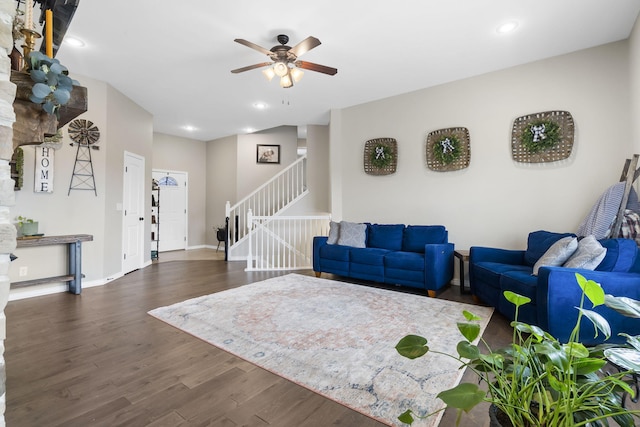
x=385 y=236
x=369 y=256
x=334 y=252
x=334 y=233
x=352 y=234
x=521 y=283
x=621 y=255
x=539 y=242
x=404 y=261
x=588 y=256
x=490 y=272
x=557 y=254
x=416 y=236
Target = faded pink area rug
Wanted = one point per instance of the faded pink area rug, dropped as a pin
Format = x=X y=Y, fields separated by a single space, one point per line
x=337 y=339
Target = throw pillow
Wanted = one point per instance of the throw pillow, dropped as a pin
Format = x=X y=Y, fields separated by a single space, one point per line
x=557 y=254
x=539 y=242
x=334 y=232
x=352 y=234
x=589 y=254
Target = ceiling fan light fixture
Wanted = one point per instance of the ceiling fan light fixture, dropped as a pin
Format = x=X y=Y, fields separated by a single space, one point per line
x=285 y=81
x=281 y=69
x=269 y=73
x=296 y=74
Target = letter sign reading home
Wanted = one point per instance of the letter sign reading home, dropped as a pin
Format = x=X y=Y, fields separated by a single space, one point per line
x=44 y=170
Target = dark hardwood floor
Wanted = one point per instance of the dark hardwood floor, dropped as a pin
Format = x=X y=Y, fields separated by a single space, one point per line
x=98 y=359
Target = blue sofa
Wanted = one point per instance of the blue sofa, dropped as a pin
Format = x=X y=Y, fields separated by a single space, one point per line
x=554 y=291
x=418 y=256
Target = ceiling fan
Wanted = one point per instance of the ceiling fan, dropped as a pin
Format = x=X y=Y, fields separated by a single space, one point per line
x=285 y=63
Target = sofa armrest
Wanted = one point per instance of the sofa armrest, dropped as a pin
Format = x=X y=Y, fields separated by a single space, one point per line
x=318 y=241
x=438 y=265
x=558 y=295
x=502 y=256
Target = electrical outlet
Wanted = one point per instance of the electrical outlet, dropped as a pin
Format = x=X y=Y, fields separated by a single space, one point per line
x=23 y=271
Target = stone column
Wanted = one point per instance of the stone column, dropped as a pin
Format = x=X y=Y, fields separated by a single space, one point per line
x=7 y=196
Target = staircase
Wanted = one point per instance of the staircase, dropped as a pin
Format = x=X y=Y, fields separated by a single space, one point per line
x=258 y=232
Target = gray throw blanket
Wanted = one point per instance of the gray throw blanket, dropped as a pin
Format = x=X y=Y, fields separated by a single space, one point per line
x=602 y=215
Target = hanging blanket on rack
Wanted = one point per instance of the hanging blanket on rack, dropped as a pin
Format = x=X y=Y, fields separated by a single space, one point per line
x=602 y=215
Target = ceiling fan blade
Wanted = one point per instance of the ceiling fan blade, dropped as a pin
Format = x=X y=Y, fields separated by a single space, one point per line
x=305 y=46
x=254 y=46
x=250 y=67
x=316 y=67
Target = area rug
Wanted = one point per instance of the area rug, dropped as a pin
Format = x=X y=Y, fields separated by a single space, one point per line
x=337 y=339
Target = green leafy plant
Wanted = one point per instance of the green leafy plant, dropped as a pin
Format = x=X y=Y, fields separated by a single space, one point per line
x=446 y=150
x=53 y=86
x=21 y=220
x=537 y=380
x=540 y=135
x=381 y=156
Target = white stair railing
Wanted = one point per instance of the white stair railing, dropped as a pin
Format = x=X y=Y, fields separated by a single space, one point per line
x=283 y=189
x=283 y=242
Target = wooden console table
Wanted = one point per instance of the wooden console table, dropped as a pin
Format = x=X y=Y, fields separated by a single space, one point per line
x=74 y=245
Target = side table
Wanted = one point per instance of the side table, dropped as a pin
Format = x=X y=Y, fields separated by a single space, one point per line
x=463 y=256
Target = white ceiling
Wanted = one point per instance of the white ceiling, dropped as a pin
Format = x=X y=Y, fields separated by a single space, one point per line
x=174 y=58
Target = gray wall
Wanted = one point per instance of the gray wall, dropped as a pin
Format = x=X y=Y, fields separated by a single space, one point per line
x=186 y=155
x=495 y=201
x=123 y=126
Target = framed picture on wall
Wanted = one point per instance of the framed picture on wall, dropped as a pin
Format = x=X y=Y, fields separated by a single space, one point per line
x=267 y=153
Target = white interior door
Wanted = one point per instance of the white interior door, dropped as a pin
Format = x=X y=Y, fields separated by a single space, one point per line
x=133 y=213
x=172 y=217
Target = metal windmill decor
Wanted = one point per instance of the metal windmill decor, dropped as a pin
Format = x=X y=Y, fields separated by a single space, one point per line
x=85 y=135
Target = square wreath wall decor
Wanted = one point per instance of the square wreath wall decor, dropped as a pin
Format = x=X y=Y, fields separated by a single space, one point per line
x=380 y=156
x=542 y=137
x=448 y=149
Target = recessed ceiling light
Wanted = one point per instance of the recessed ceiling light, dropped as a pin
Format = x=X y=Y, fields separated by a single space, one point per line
x=189 y=128
x=259 y=105
x=249 y=130
x=73 y=41
x=507 y=27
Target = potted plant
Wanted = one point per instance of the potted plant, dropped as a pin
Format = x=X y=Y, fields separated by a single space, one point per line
x=27 y=226
x=536 y=380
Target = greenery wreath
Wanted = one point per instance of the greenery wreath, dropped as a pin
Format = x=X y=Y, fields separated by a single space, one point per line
x=540 y=135
x=381 y=156
x=446 y=150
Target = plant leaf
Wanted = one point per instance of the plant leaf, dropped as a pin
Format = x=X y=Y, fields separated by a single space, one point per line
x=62 y=96
x=49 y=107
x=469 y=330
x=626 y=306
x=412 y=346
x=591 y=289
x=516 y=299
x=588 y=365
x=38 y=76
x=470 y=316
x=463 y=396
x=57 y=68
x=632 y=340
x=406 y=417
x=627 y=358
x=467 y=350
x=576 y=349
x=40 y=90
x=598 y=321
